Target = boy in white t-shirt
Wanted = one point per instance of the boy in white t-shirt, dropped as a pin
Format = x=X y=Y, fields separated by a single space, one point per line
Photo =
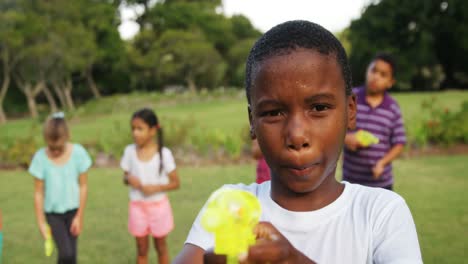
x=298 y=86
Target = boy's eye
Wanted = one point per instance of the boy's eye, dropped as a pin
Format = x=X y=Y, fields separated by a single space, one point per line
x=320 y=107
x=271 y=113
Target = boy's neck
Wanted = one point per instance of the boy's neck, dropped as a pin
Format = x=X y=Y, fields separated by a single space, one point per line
x=374 y=99
x=317 y=199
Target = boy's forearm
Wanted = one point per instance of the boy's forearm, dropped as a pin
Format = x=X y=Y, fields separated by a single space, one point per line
x=394 y=152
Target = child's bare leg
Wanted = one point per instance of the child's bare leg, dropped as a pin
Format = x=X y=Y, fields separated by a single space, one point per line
x=161 y=249
x=142 y=250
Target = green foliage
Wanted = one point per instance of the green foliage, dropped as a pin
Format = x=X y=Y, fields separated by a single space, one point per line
x=428 y=37
x=237 y=57
x=114 y=140
x=188 y=54
x=18 y=151
x=207 y=124
x=190 y=43
x=443 y=126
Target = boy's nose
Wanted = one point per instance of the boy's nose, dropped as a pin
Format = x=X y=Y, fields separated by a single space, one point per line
x=297 y=131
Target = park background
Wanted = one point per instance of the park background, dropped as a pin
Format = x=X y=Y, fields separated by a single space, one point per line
x=187 y=63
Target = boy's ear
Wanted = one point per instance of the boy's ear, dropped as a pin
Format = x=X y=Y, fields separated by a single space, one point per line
x=392 y=82
x=251 y=130
x=352 y=111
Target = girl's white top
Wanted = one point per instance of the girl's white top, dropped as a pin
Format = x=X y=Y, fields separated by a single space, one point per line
x=147 y=171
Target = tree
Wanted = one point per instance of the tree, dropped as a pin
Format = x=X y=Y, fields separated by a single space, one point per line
x=237 y=58
x=429 y=38
x=35 y=62
x=11 y=39
x=190 y=56
x=101 y=19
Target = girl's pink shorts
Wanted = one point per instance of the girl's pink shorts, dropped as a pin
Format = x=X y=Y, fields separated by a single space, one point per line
x=150 y=217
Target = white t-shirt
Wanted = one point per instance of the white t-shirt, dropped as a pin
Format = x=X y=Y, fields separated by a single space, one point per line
x=147 y=171
x=363 y=225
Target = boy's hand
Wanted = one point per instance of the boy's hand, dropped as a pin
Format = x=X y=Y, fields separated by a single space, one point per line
x=378 y=169
x=134 y=182
x=209 y=257
x=272 y=247
x=351 y=142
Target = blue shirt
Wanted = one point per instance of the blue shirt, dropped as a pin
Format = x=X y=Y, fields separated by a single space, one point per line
x=61 y=182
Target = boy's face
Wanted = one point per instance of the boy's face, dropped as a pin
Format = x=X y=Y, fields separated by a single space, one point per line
x=379 y=77
x=299 y=113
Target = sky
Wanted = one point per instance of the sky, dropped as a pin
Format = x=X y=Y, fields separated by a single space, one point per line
x=334 y=15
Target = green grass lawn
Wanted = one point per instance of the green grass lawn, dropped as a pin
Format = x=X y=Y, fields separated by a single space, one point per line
x=434 y=188
x=228 y=113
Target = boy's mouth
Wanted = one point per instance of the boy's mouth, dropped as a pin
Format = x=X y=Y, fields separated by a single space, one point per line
x=302 y=170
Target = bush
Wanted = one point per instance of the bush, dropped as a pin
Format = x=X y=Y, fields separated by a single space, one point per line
x=113 y=141
x=443 y=127
x=19 y=151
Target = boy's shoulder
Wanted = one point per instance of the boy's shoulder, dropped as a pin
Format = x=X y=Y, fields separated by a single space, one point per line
x=373 y=195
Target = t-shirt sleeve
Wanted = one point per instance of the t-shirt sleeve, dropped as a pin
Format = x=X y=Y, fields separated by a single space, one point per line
x=168 y=160
x=198 y=236
x=398 y=135
x=396 y=240
x=84 y=162
x=125 y=161
x=36 y=168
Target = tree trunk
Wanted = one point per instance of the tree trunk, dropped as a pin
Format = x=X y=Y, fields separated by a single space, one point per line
x=60 y=95
x=30 y=92
x=32 y=103
x=91 y=83
x=5 y=86
x=68 y=96
x=50 y=99
x=3 y=117
x=191 y=84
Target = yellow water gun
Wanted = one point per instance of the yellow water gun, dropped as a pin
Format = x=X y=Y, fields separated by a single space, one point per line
x=48 y=243
x=365 y=138
x=231 y=216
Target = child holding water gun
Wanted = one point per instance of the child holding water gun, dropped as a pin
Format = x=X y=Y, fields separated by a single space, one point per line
x=300 y=105
x=379 y=114
x=60 y=187
x=150 y=171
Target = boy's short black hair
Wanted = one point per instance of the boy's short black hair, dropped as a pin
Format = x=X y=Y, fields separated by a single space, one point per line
x=388 y=58
x=292 y=35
